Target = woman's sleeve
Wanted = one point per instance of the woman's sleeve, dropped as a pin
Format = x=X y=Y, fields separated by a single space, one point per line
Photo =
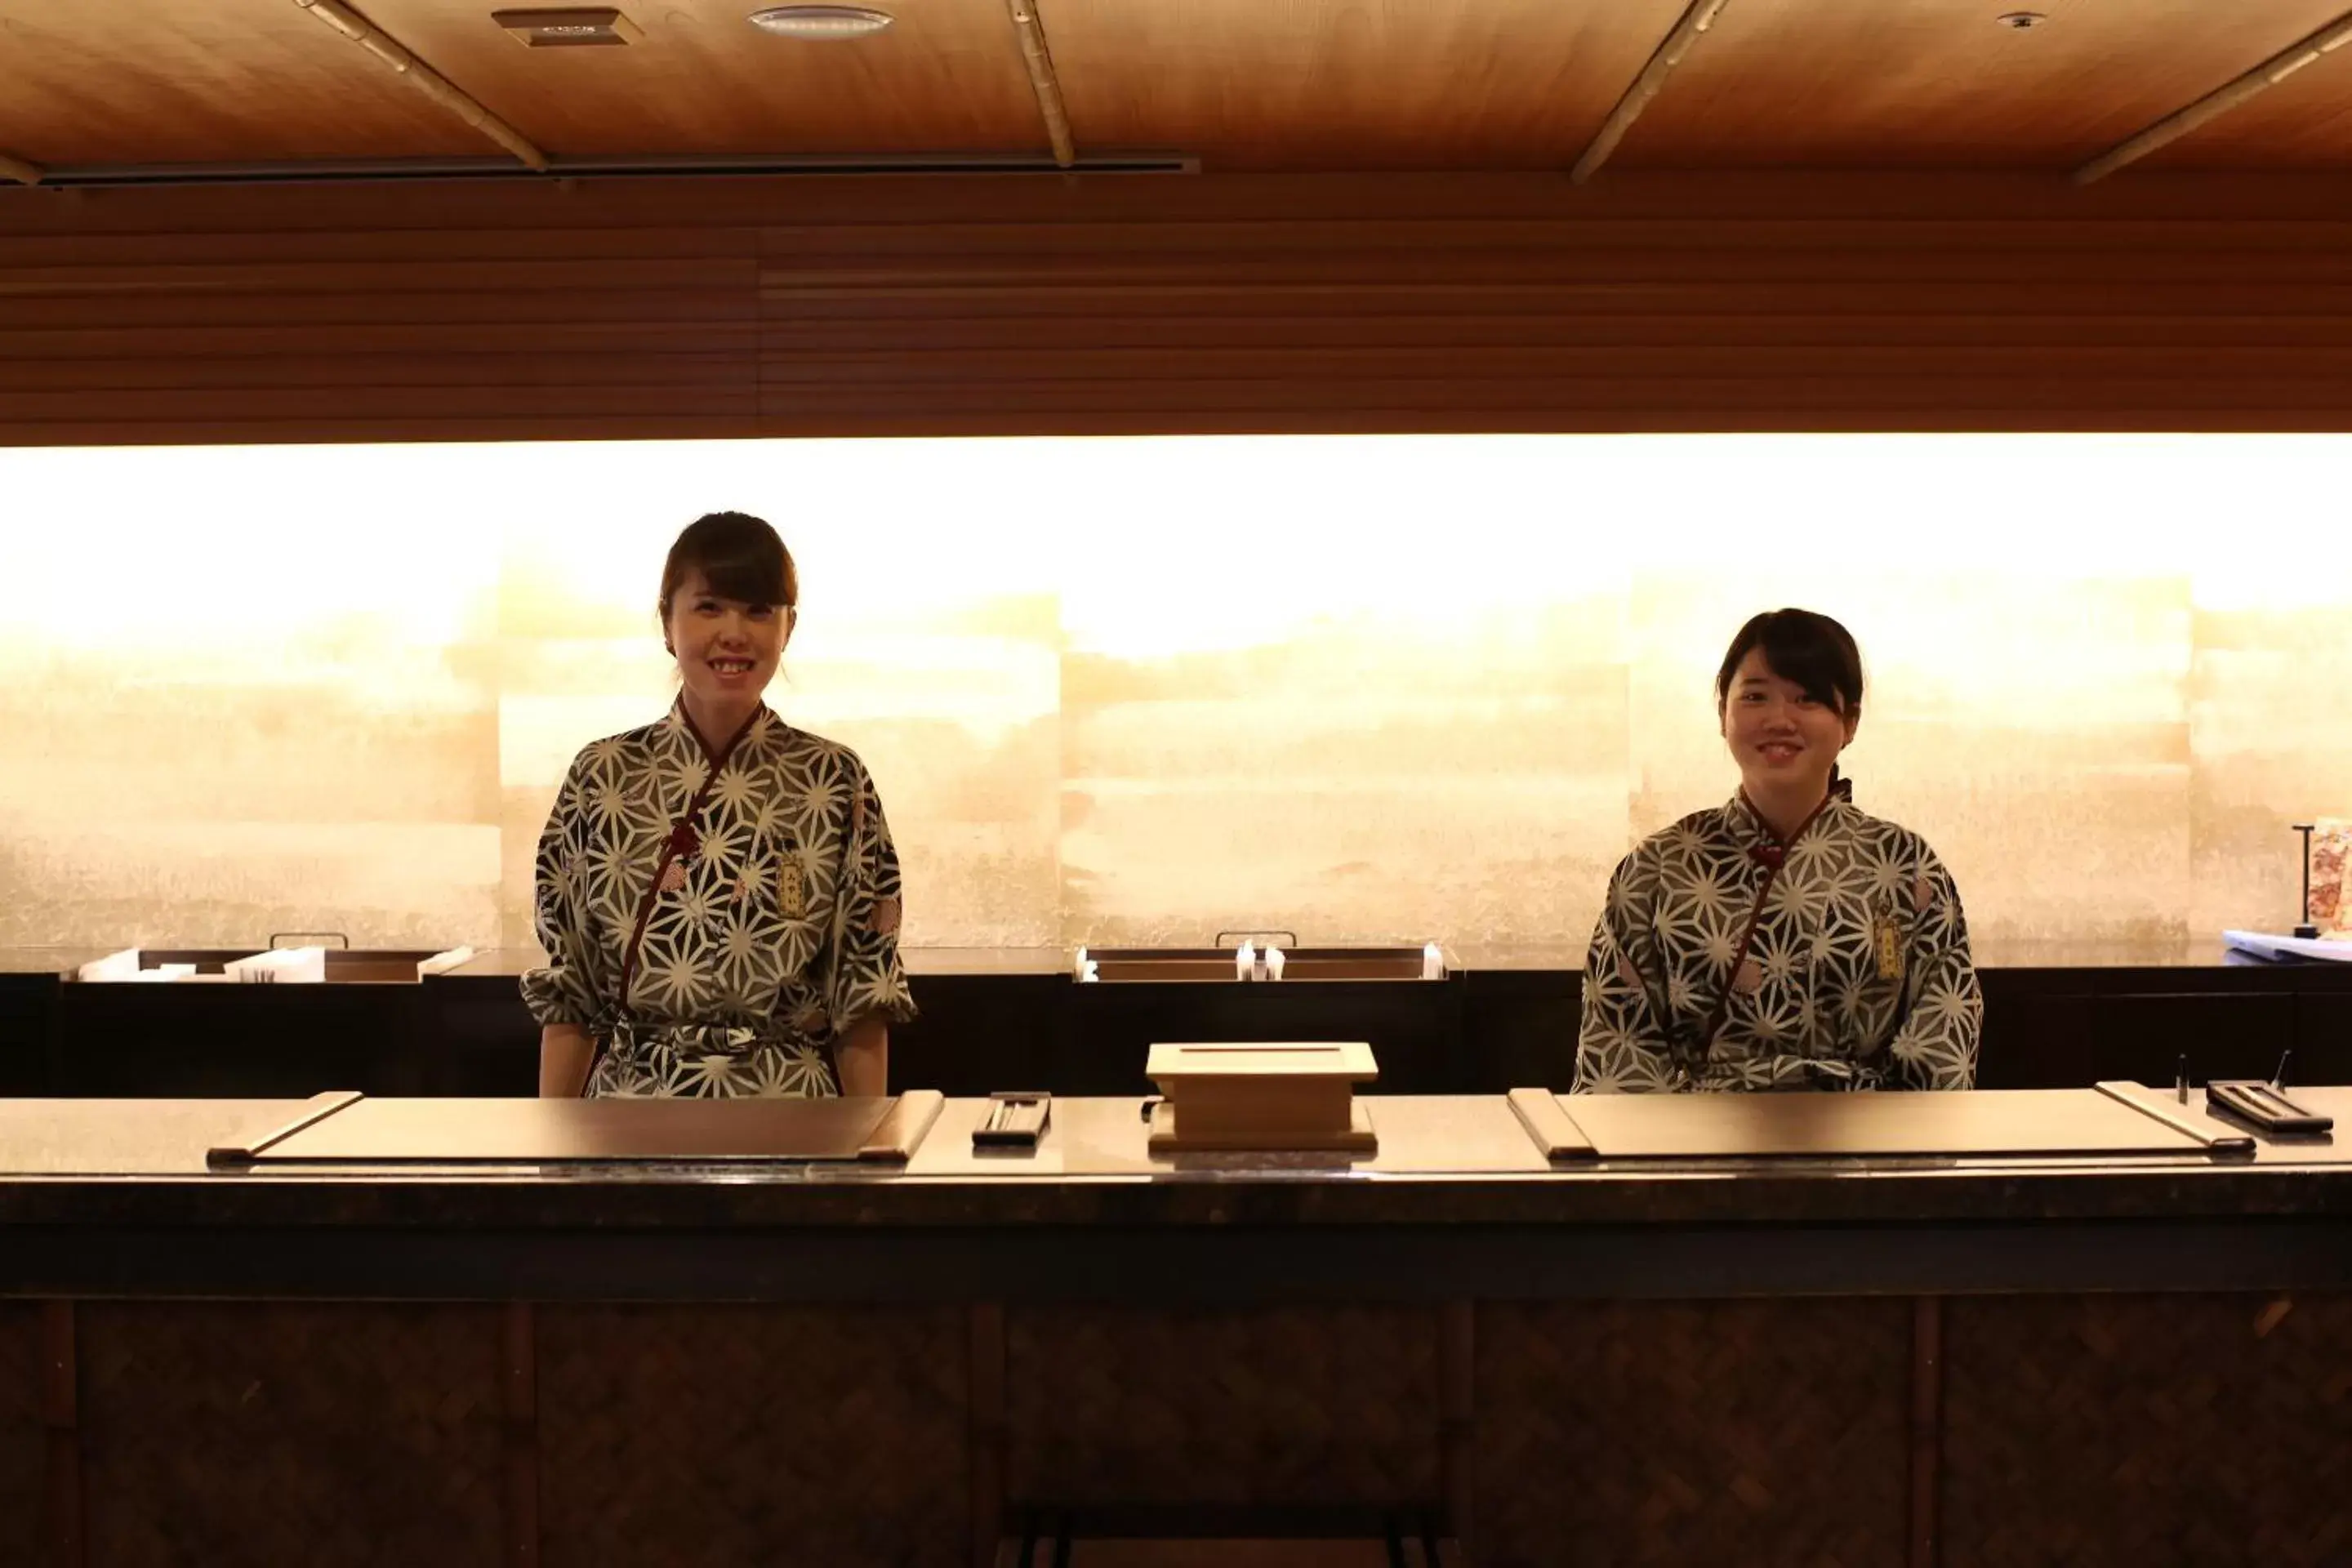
x=1943 y=1009
x=563 y=989
x=868 y=978
x=1621 y=1045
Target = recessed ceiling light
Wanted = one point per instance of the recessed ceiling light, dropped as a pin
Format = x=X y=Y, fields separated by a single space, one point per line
x=2019 y=21
x=562 y=28
x=822 y=21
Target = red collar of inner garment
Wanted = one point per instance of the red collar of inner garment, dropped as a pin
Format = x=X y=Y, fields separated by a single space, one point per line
x=1773 y=852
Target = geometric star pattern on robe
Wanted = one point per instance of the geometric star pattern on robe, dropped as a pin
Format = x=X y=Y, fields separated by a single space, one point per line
x=1858 y=975
x=772 y=938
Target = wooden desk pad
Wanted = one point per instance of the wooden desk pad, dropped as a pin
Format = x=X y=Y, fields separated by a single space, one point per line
x=554 y=1132
x=1987 y=1124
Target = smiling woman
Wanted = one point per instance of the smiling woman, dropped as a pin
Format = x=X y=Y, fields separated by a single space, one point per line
x=718 y=893
x=1786 y=940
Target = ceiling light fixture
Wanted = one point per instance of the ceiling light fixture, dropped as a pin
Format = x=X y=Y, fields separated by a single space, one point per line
x=567 y=28
x=2019 y=21
x=822 y=21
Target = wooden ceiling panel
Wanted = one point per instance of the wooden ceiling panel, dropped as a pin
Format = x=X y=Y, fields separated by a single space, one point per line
x=946 y=77
x=2303 y=123
x=1350 y=84
x=89 y=82
x=1880 y=83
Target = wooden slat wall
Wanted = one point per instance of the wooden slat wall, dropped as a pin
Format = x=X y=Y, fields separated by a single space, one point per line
x=1167 y=303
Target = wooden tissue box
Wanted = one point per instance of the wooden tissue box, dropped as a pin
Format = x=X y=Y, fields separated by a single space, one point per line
x=1261 y=1095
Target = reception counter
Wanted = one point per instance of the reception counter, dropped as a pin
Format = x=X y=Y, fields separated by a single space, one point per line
x=1452 y=1345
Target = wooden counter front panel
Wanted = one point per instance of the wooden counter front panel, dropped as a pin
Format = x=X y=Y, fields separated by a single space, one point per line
x=1308 y=1406
x=2111 y=1430
x=751 y=1436
x=23 y=1440
x=268 y=1433
x=1684 y=1432
x=2147 y=1429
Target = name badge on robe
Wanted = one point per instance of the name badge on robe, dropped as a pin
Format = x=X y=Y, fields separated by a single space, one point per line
x=1886 y=940
x=791 y=893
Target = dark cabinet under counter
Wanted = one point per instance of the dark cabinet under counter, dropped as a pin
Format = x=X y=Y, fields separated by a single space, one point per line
x=2055 y=1017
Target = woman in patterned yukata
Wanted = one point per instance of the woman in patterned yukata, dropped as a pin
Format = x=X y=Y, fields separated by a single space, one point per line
x=1784 y=940
x=717 y=893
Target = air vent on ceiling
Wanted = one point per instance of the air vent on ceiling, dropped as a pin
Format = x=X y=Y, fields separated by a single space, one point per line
x=568 y=28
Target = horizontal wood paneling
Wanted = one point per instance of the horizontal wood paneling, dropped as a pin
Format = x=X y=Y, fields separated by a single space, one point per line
x=870 y=334
x=1436 y=292
x=413 y=276
x=569 y=308
x=186 y=245
x=362 y=343
x=243 y=371
x=1691 y=366
x=780 y=306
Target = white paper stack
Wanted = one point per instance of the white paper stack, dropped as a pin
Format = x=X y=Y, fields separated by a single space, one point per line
x=280 y=966
x=2278 y=948
x=442 y=963
x=123 y=965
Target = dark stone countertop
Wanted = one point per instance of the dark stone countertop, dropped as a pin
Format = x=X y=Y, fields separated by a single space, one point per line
x=1443 y=1161
x=111 y=1199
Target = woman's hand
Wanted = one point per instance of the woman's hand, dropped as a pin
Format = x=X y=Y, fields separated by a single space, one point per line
x=565 y=1054
x=863 y=1055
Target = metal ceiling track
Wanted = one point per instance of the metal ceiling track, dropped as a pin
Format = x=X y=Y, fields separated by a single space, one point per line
x=399 y=170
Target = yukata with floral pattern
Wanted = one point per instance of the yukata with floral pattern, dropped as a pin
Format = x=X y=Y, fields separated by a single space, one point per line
x=774 y=927
x=1857 y=975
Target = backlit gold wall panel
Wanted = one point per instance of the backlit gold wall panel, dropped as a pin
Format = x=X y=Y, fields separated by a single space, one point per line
x=1138 y=691
x=1361 y=689
x=2270 y=733
x=229 y=708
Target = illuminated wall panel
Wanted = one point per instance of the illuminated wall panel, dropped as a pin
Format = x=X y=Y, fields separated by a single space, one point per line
x=236 y=705
x=2273 y=740
x=1370 y=690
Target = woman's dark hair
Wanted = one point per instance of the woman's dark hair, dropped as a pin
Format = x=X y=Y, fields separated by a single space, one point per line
x=1810 y=649
x=738 y=556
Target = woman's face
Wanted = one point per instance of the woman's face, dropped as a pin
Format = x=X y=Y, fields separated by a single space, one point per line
x=1784 y=741
x=727 y=650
